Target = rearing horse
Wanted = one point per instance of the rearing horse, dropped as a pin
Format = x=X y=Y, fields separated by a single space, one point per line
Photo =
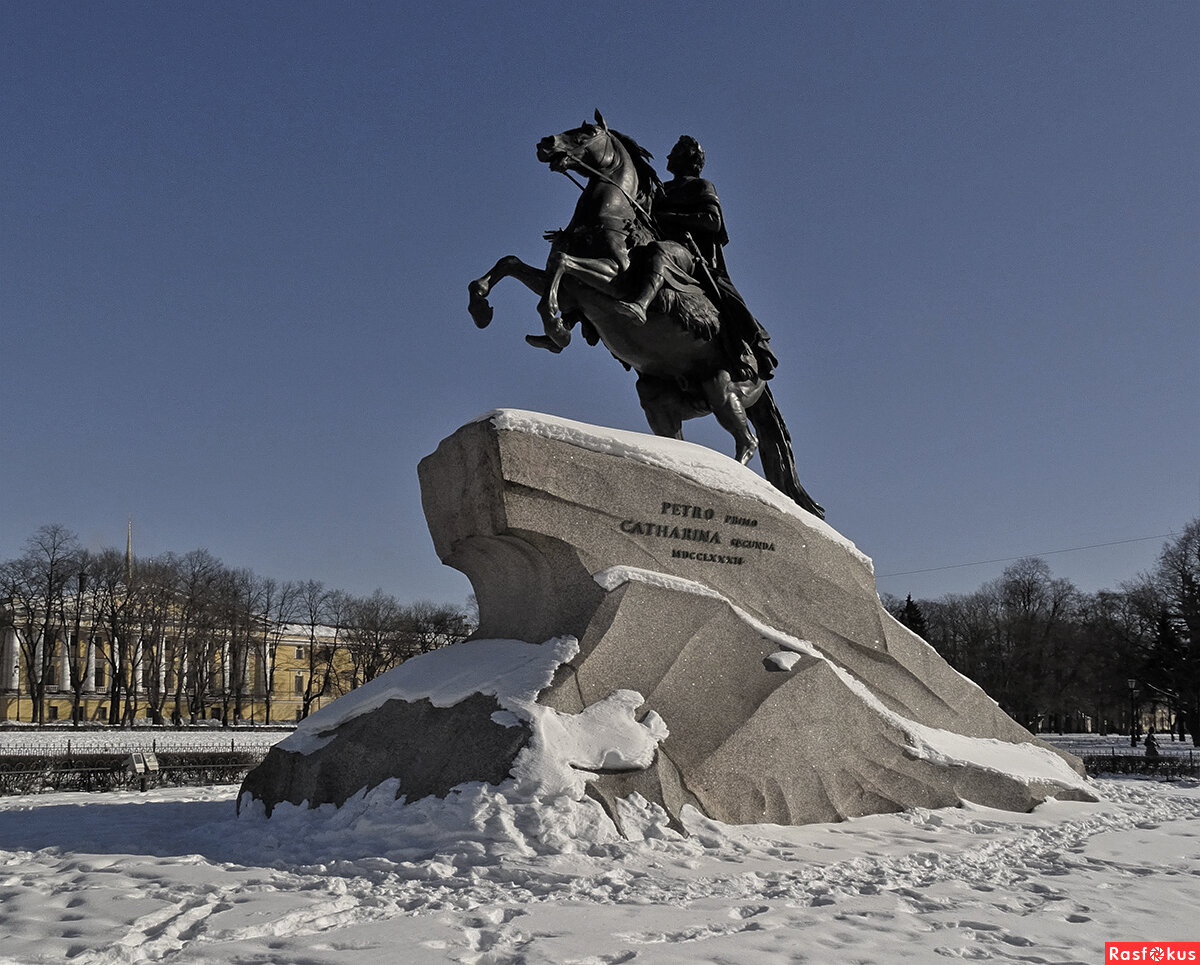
x=683 y=368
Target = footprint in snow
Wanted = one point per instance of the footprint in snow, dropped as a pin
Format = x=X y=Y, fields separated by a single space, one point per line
x=495 y=916
x=748 y=911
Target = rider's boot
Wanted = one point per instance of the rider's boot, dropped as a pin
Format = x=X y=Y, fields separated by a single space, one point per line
x=635 y=309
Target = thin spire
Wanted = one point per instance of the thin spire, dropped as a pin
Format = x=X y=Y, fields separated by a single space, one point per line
x=129 y=552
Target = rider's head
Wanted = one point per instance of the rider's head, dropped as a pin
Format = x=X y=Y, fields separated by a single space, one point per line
x=686 y=157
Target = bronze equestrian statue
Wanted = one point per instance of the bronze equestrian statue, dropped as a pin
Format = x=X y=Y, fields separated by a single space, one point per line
x=640 y=268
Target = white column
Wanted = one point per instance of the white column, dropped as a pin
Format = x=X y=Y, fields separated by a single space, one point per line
x=137 y=665
x=35 y=672
x=10 y=668
x=162 y=665
x=64 y=665
x=89 y=676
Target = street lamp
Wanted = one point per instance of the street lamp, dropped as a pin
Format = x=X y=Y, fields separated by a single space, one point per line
x=1133 y=727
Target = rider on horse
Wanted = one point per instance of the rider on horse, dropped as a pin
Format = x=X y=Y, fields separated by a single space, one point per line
x=687 y=211
x=639 y=267
x=688 y=260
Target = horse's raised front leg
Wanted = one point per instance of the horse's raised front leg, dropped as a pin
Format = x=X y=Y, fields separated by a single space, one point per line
x=599 y=273
x=548 y=309
x=510 y=266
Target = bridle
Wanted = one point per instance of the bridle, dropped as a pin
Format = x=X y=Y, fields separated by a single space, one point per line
x=645 y=215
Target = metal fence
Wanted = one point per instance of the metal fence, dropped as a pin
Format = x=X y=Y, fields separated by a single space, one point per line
x=109 y=772
x=66 y=741
x=1164 y=766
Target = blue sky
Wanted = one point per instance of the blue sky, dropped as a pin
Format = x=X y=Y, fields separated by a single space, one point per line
x=235 y=240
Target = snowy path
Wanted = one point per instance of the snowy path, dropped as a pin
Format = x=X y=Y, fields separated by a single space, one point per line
x=172 y=876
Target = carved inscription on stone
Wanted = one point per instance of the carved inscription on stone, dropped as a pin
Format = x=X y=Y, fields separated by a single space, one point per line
x=699 y=524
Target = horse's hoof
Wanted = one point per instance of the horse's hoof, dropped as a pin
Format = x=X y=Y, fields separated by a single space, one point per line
x=481 y=311
x=746 y=452
x=559 y=334
x=543 y=341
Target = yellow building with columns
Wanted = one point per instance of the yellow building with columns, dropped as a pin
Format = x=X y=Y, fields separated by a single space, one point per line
x=82 y=673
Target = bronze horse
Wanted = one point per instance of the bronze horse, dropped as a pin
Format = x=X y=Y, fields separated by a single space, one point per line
x=683 y=367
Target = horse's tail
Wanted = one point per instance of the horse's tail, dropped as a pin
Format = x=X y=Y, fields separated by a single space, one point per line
x=775 y=451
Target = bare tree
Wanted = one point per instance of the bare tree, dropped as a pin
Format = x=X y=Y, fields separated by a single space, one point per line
x=1176 y=583
x=1017 y=637
x=321 y=611
x=82 y=603
x=375 y=636
x=36 y=585
x=430 y=626
x=1116 y=630
x=279 y=609
x=197 y=577
x=339 y=609
x=243 y=599
x=1034 y=625
x=154 y=610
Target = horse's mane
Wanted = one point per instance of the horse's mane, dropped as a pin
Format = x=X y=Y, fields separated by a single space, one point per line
x=649 y=183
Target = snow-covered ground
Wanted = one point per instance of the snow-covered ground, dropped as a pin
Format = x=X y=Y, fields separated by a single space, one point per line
x=532 y=871
x=175 y=876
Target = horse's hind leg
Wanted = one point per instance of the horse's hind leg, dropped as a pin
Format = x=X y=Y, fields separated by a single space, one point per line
x=510 y=266
x=724 y=397
x=664 y=406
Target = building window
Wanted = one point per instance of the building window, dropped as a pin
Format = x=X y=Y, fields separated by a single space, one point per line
x=299 y=683
x=99 y=675
x=299 y=653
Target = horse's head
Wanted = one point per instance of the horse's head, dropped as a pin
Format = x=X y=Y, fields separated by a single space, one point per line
x=586 y=148
x=607 y=157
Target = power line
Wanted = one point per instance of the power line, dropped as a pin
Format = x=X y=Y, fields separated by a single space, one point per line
x=1012 y=559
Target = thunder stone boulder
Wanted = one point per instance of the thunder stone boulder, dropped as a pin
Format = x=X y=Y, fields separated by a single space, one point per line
x=750 y=629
